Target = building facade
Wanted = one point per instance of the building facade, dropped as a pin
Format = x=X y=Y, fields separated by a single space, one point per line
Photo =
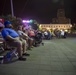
x=55 y=26
x=61 y=19
x=61 y=22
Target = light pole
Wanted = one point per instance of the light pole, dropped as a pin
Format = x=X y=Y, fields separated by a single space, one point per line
x=12 y=8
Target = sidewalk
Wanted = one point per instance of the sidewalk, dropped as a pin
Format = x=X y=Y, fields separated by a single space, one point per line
x=56 y=57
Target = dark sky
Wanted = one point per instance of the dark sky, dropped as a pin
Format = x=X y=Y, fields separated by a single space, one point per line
x=41 y=10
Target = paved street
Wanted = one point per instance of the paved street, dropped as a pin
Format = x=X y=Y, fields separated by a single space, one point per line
x=56 y=57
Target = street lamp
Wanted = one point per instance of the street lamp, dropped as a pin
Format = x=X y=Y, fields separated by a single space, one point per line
x=12 y=8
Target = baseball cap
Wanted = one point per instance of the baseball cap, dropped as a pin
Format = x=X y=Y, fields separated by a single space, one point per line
x=7 y=22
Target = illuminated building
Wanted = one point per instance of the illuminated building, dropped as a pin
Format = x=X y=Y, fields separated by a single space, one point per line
x=61 y=22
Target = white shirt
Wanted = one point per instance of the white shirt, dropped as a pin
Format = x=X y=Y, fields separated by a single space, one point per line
x=45 y=33
x=62 y=32
x=22 y=33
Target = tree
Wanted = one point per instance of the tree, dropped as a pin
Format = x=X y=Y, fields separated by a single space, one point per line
x=15 y=21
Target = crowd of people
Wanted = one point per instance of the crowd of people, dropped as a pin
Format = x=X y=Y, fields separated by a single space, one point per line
x=21 y=38
x=24 y=39
x=55 y=33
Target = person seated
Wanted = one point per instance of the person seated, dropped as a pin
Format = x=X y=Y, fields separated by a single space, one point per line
x=31 y=34
x=12 y=39
x=25 y=36
x=2 y=43
x=1 y=27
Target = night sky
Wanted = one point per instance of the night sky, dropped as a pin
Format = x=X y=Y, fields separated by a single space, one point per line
x=41 y=10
